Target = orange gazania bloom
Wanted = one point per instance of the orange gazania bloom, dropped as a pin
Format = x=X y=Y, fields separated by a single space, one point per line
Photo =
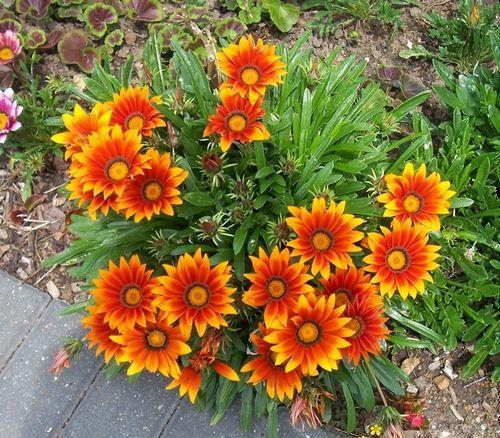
x=95 y=203
x=401 y=258
x=347 y=284
x=132 y=109
x=79 y=126
x=109 y=161
x=250 y=68
x=276 y=284
x=155 y=347
x=99 y=335
x=325 y=235
x=124 y=294
x=313 y=335
x=368 y=324
x=417 y=197
x=190 y=378
x=236 y=119
x=278 y=382
x=193 y=292
x=155 y=191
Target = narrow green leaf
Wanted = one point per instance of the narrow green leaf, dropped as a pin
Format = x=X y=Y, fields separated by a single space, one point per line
x=246 y=408
x=473 y=364
x=351 y=411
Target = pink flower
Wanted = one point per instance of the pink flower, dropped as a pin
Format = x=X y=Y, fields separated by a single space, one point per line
x=9 y=112
x=61 y=361
x=10 y=46
x=415 y=420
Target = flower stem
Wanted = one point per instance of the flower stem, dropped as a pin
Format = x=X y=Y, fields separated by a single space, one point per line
x=377 y=384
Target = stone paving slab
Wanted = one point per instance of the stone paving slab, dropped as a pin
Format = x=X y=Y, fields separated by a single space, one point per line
x=118 y=408
x=35 y=403
x=20 y=311
x=81 y=402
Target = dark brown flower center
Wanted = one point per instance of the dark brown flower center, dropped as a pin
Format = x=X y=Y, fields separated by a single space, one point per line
x=413 y=202
x=152 y=190
x=131 y=295
x=156 y=339
x=322 y=240
x=342 y=297
x=358 y=325
x=250 y=75
x=197 y=295
x=398 y=259
x=308 y=333
x=276 y=287
x=117 y=168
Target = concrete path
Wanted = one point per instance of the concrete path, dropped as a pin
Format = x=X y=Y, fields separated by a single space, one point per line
x=81 y=402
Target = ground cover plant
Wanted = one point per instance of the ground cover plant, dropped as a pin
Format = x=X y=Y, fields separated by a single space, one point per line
x=265 y=247
x=237 y=188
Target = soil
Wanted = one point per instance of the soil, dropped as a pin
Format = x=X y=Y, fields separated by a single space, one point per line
x=30 y=235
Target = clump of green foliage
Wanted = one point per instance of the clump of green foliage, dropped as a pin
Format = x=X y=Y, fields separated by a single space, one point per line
x=281 y=13
x=467 y=38
x=331 y=15
x=463 y=304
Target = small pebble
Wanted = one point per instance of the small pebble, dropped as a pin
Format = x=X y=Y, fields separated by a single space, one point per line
x=442 y=382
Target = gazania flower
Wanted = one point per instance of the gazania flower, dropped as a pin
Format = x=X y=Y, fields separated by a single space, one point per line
x=99 y=335
x=9 y=112
x=401 y=259
x=109 y=161
x=79 y=126
x=124 y=294
x=325 y=235
x=155 y=191
x=189 y=381
x=313 y=336
x=155 y=347
x=193 y=292
x=417 y=197
x=95 y=203
x=276 y=284
x=346 y=285
x=278 y=382
x=132 y=109
x=368 y=324
x=236 y=119
x=250 y=68
x=10 y=47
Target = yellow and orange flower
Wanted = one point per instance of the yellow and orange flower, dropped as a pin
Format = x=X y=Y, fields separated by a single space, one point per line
x=190 y=378
x=80 y=125
x=250 y=68
x=325 y=235
x=109 y=161
x=236 y=119
x=401 y=258
x=155 y=191
x=124 y=294
x=193 y=292
x=99 y=335
x=155 y=347
x=366 y=313
x=278 y=382
x=132 y=109
x=414 y=196
x=95 y=203
x=276 y=284
x=347 y=284
x=314 y=335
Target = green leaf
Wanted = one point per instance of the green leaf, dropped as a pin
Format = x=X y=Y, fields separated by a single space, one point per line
x=200 y=199
x=482 y=173
x=474 y=363
x=246 y=407
x=416 y=52
x=410 y=104
x=283 y=15
x=461 y=202
x=75 y=308
x=272 y=420
x=473 y=271
x=416 y=327
x=351 y=411
x=449 y=98
x=445 y=73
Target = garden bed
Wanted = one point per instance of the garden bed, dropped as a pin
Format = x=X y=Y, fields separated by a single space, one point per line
x=36 y=226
